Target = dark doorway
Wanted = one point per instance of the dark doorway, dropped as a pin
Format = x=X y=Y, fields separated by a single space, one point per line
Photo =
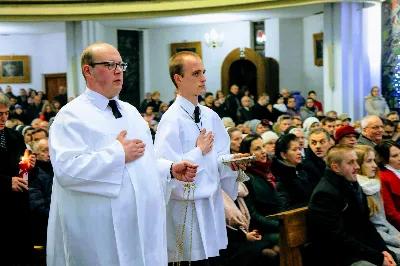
x=243 y=73
x=272 y=78
x=128 y=46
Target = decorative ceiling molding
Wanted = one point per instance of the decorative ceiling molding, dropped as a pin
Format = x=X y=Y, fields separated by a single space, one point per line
x=73 y=10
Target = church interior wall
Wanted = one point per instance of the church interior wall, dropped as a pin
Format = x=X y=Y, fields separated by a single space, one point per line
x=313 y=76
x=47 y=55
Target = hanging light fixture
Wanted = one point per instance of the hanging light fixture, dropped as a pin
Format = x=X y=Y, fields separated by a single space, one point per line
x=213 y=38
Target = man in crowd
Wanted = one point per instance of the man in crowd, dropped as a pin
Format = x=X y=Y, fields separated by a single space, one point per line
x=314 y=163
x=317 y=103
x=40 y=192
x=291 y=107
x=388 y=129
x=393 y=116
x=372 y=130
x=14 y=196
x=259 y=110
x=333 y=114
x=296 y=122
x=328 y=124
x=62 y=97
x=233 y=101
x=244 y=112
x=338 y=217
x=107 y=204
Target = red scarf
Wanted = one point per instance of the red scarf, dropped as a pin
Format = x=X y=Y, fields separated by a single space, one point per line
x=262 y=169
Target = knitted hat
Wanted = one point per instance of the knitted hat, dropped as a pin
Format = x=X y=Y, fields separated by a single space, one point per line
x=254 y=124
x=268 y=136
x=308 y=123
x=18 y=106
x=343 y=131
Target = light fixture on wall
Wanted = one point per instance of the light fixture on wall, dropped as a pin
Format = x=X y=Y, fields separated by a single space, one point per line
x=213 y=38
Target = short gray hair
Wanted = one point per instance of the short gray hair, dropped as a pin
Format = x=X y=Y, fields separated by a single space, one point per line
x=295 y=129
x=318 y=131
x=366 y=120
x=4 y=100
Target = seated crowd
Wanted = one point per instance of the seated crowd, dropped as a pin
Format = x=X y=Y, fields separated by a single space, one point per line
x=348 y=174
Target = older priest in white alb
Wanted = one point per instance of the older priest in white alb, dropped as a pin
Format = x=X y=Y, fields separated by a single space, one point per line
x=107 y=204
x=187 y=131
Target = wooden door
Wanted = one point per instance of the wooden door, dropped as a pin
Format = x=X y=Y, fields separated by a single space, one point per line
x=52 y=84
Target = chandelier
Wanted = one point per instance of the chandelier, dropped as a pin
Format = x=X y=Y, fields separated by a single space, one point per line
x=213 y=38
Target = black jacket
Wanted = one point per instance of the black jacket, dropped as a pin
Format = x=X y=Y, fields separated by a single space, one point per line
x=314 y=167
x=339 y=226
x=243 y=115
x=232 y=104
x=293 y=187
x=261 y=201
x=40 y=189
x=14 y=231
x=260 y=112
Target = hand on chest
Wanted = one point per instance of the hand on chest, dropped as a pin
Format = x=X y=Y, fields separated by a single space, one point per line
x=190 y=132
x=104 y=133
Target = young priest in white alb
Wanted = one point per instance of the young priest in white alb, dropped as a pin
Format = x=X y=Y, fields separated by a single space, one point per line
x=188 y=131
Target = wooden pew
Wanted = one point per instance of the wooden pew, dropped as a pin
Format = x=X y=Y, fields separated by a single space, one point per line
x=292 y=235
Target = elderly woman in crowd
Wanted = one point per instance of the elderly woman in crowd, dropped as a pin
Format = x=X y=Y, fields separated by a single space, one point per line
x=256 y=127
x=283 y=123
x=269 y=138
x=236 y=138
x=389 y=164
x=308 y=125
x=369 y=181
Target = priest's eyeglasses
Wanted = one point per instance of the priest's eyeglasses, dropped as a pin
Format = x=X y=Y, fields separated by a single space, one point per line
x=111 y=65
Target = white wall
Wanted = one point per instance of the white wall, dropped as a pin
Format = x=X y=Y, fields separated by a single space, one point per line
x=272 y=46
x=47 y=53
x=237 y=34
x=291 y=54
x=313 y=76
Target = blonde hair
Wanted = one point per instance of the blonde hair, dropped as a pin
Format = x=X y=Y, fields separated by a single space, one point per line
x=161 y=106
x=362 y=152
x=176 y=64
x=275 y=127
x=335 y=154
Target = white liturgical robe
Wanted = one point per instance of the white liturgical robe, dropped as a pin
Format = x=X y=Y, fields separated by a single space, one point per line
x=103 y=211
x=176 y=139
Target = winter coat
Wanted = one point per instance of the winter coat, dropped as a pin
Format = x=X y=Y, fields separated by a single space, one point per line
x=376 y=106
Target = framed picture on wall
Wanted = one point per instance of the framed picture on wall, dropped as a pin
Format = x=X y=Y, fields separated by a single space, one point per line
x=318 y=40
x=194 y=47
x=15 y=69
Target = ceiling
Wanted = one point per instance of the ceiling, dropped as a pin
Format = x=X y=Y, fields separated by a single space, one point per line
x=19 y=28
x=148 y=23
x=24 y=28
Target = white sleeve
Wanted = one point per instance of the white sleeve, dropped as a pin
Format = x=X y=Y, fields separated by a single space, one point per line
x=168 y=146
x=164 y=167
x=222 y=146
x=78 y=168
